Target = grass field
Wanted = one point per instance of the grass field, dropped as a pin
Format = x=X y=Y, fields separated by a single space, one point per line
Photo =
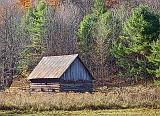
x=125 y=112
x=117 y=98
x=130 y=101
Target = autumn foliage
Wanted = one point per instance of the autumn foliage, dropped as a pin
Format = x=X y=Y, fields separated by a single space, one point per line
x=27 y=3
x=24 y=3
x=53 y=2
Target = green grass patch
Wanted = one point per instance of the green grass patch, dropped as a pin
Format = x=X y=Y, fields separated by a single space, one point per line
x=128 y=112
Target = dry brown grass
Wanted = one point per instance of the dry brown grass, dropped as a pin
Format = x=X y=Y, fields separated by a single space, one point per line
x=126 y=97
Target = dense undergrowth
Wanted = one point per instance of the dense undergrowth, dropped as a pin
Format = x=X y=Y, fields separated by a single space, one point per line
x=113 y=98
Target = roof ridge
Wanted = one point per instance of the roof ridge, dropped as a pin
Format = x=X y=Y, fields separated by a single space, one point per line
x=62 y=55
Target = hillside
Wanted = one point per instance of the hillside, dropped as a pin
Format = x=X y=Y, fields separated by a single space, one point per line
x=82 y=57
x=111 y=37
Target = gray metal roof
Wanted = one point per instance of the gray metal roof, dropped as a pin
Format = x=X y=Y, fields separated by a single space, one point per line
x=52 y=66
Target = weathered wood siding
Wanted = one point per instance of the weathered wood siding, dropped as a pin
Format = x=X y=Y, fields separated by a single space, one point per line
x=45 y=85
x=76 y=78
x=52 y=87
x=44 y=80
x=76 y=87
x=76 y=72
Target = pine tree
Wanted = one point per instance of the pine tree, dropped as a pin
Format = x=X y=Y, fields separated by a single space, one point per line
x=141 y=29
x=99 y=7
x=85 y=34
x=131 y=51
x=154 y=59
x=33 y=21
x=87 y=24
x=96 y=36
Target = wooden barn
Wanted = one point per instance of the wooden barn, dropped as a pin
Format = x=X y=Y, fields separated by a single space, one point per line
x=61 y=74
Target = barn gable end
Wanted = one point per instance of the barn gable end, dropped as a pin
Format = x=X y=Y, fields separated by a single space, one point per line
x=77 y=72
x=76 y=78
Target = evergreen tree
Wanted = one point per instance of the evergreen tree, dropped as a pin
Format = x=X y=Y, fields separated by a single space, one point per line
x=87 y=24
x=131 y=51
x=85 y=34
x=99 y=7
x=33 y=21
x=154 y=59
x=141 y=29
x=96 y=34
x=103 y=33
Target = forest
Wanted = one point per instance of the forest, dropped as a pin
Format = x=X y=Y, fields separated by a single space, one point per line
x=118 y=40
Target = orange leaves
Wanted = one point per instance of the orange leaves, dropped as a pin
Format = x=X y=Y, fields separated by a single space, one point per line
x=27 y=3
x=24 y=3
x=53 y=2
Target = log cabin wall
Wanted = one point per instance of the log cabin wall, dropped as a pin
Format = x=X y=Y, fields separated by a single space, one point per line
x=45 y=85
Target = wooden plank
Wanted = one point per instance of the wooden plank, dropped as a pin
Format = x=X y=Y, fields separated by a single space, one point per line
x=76 y=72
x=44 y=87
x=44 y=83
x=79 y=87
